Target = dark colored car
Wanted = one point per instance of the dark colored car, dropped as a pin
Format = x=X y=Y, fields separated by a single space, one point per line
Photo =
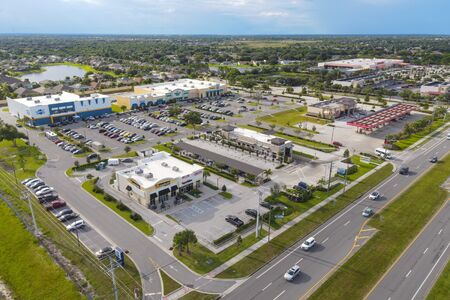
x=266 y=205
x=434 y=159
x=68 y=217
x=104 y=252
x=48 y=198
x=64 y=212
x=251 y=212
x=337 y=144
x=55 y=204
x=234 y=221
x=404 y=170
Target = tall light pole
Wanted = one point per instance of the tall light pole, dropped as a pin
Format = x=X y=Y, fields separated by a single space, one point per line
x=26 y=195
x=257 y=213
x=329 y=176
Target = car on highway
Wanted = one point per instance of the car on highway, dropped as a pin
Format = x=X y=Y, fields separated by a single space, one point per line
x=105 y=251
x=337 y=144
x=234 y=220
x=308 y=244
x=68 y=217
x=63 y=212
x=75 y=225
x=367 y=212
x=374 y=195
x=251 y=212
x=292 y=273
x=404 y=170
x=434 y=159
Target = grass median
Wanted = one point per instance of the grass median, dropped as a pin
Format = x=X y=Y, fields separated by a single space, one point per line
x=140 y=224
x=400 y=223
x=194 y=295
x=440 y=290
x=169 y=284
x=277 y=245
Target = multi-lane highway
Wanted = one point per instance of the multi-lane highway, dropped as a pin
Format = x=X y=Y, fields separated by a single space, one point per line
x=413 y=275
x=337 y=239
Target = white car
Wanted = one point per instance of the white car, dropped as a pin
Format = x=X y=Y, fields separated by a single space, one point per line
x=31 y=182
x=292 y=273
x=27 y=180
x=44 y=191
x=75 y=225
x=374 y=195
x=308 y=244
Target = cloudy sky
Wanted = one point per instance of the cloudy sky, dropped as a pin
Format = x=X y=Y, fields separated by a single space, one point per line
x=226 y=16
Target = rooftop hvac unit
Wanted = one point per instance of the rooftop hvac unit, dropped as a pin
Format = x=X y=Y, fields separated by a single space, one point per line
x=57 y=99
x=190 y=81
x=149 y=176
x=139 y=171
x=37 y=101
x=29 y=98
x=48 y=96
x=175 y=168
x=184 y=85
x=164 y=164
x=192 y=86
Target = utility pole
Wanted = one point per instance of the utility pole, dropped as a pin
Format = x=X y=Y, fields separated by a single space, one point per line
x=329 y=176
x=36 y=230
x=270 y=214
x=332 y=135
x=257 y=213
x=113 y=277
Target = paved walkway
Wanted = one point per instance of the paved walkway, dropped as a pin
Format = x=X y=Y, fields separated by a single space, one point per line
x=288 y=225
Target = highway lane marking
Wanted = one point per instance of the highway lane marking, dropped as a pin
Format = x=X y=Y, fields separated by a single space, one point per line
x=348 y=222
x=440 y=231
x=299 y=260
x=395 y=185
x=409 y=273
x=266 y=286
x=425 y=251
x=173 y=268
x=325 y=240
x=279 y=295
x=429 y=273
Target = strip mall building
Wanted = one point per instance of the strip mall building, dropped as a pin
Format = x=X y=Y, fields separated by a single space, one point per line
x=52 y=109
x=160 y=93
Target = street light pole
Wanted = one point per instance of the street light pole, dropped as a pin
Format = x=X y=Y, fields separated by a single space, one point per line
x=257 y=214
x=113 y=277
x=329 y=176
x=332 y=134
x=270 y=215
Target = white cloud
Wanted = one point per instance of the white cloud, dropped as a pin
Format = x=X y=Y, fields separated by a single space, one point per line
x=273 y=14
x=90 y=2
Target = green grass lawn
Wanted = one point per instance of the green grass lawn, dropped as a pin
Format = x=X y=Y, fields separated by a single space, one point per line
x=194 y=295
x=402 y=221
x=20 y=258
x=291 y=117
x=202 y=260
x=169 y=285
x=307 y=143
x=226 y=195
x=125 y=155
x=403 y=144
x=363 y=168
x=440 y=290
x=277 y=245
x=143 y=226
x=53 y=231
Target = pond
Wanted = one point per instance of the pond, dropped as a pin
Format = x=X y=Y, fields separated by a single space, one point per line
x=59 y=72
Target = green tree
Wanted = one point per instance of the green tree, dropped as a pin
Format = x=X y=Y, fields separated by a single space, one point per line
x=174 y=111
x=127 y=149
x=238 y=240
x=346 y=153
x=206 y=174
x=123 y=108
x=10 y=133
x=193 y=118
x=224 y=188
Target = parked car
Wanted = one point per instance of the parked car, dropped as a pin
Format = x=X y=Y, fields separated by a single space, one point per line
x=367 y=212
x=44 y=191
x=337 y=144
x=266 y=205
x=68 y=217
x=75 y=225
x=292 y=273
x=64 y=212
x=55 y=204
x=374 y=195
x=48 y=198
x=308 y=244
x=251 y=212
x=27 y=180
x=104 y=252
x=234 y=220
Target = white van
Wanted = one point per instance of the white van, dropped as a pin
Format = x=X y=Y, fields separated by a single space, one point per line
x=448 y=136
x=113 y=162
x=383 y=153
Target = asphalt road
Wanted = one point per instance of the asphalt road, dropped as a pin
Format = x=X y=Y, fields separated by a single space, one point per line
x=414 y=274
x=337 y=239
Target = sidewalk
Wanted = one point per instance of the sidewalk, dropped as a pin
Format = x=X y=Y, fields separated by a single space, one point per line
x=288 y=225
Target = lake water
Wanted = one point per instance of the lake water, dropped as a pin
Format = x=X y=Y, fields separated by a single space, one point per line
x=54 y=73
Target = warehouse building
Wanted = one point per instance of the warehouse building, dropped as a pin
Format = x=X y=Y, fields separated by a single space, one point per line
x=435 y=88
x=179 y=90
x=157 y=180
x=51 y=109
x=332 y=109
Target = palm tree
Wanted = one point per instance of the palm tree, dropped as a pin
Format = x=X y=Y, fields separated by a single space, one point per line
x=206 y=174
x=258 y=123
x=267 y=172
x=189 y=237
x=272 y=126
x=179 y=241
x=123 y=108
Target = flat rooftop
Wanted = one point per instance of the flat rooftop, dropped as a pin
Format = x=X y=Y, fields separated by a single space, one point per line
x=159 y=166
x=160 y=89
x=260 y=137
x=57 y=98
